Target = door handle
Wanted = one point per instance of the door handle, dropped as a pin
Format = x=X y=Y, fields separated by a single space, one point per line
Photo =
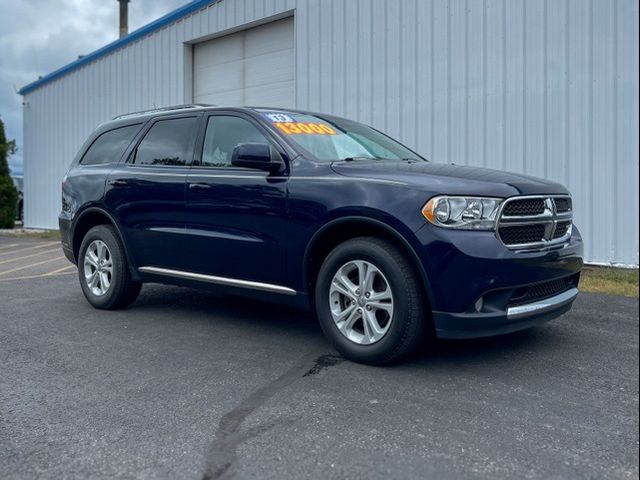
x=118 y=182
x=199 y=186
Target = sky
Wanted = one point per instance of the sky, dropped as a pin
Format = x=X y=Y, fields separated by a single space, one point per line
x=40 y=36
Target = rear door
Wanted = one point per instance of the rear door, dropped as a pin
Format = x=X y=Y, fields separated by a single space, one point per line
x=237 y=224
x=147 y=193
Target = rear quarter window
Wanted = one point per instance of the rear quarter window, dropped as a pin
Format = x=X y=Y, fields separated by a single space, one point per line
x=109 y=146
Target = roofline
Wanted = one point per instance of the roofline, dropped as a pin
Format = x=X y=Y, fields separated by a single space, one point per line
x=170 y=17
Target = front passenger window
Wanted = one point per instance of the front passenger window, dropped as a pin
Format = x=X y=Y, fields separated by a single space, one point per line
x=223 y=134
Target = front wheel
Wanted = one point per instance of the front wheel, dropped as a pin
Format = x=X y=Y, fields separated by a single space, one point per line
x=103 y=270
x=369 y=301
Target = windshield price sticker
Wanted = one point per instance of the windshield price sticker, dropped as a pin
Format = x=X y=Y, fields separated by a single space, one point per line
x=300 y=128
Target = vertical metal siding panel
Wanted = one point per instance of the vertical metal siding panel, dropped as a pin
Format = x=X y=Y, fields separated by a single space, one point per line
x=302 y=48
x=394 y=68
x=494 y=98
x=475 y=82
x=440 y=80
x=315 y=66
x=172 y=71
x=136 y=85
x=155 y=70
x=325 y=32
x=579 y=117
x=27 y=125
x=602 y=133
x=338 y=48
x=457 y=80
x=627 y=114
x=556 y=93
x=409 y=81
x=534 y=92
x=181 y=63
x=365 y=63
x=514 y=68
x=378 y=65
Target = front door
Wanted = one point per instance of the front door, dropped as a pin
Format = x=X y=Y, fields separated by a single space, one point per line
x=236 y=223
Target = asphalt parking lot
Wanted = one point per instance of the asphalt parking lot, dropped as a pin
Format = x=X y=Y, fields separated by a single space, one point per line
x=189 y=384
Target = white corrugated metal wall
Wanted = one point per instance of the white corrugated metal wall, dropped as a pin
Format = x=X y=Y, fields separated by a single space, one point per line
x=548 y=88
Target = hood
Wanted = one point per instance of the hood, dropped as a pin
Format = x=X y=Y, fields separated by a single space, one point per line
x=450 y=179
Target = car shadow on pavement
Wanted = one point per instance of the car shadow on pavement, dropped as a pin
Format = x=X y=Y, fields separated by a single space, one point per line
x=246 y=313
x=502 y=347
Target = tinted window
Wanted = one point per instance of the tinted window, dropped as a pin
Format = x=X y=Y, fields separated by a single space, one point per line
x=109 y=146
x=168 y=142
x=223 y=134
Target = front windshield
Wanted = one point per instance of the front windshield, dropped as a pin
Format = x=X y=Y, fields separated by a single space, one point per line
x=331 y=139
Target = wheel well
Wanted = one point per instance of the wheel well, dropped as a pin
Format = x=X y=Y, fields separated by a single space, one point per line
x=340 y=232
x=86 y=223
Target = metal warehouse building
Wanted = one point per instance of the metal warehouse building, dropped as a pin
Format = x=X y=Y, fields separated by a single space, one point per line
x=544 y=87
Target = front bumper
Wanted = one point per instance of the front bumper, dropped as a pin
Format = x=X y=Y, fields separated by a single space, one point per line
x=479 y=288
x=473 y=325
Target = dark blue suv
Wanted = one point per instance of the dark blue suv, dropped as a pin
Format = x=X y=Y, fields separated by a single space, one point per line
x=328 y=213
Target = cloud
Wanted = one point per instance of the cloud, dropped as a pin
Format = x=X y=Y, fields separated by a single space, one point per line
x=40 y=36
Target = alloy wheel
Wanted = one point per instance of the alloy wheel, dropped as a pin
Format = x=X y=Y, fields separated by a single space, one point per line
x=361 y=302
x=98 y=268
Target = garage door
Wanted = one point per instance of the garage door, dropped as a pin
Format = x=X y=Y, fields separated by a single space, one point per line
x=252 y=67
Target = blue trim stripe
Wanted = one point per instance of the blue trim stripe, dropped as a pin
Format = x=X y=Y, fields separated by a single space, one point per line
x=171 y=17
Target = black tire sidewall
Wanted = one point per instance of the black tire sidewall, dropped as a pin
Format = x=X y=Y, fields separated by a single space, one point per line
x=405 y=310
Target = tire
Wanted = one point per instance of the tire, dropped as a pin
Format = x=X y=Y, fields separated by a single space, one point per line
x=119 y=290
x=403 y=323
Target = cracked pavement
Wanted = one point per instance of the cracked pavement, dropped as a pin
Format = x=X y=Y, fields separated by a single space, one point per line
x=188 y=384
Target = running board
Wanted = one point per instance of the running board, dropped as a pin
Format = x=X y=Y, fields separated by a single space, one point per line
x=233 y=282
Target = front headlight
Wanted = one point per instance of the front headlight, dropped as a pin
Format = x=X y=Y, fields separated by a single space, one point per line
x=463 y=213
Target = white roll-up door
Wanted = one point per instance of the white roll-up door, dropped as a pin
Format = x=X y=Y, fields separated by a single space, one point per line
x=251 y=67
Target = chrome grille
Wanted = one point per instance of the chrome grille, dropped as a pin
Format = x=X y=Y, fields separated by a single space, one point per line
x=528 y=206
x=563 y=204
x=519 y=234
x=561 y=229
x=535 y=222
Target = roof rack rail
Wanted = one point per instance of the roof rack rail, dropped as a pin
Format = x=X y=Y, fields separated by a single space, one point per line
x=162 y=109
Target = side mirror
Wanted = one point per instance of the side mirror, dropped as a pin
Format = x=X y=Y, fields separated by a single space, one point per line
x=254 y=155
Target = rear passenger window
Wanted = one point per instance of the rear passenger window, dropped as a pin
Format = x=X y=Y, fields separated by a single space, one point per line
x=168 y=142
x=109 y=146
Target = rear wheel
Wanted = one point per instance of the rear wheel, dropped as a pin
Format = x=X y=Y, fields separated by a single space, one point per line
x=369 y=301
x=103 y=270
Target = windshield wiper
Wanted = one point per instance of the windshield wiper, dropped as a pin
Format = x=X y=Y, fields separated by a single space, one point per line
x=351 y=159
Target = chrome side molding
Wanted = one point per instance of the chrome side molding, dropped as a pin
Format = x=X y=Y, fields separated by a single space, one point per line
x=542 y=306
x=233 y=282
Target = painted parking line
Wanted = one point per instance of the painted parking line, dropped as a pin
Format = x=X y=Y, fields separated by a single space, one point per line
x=21 y=250
x=49 y=260
x=42 y=252
x=3 y=247
x=28 y=277
x=58 y=271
